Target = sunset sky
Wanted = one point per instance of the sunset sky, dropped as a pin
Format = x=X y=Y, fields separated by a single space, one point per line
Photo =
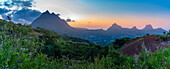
x=96 y=14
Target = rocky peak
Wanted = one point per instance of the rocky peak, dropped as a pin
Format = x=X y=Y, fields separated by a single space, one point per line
x=148 y=27
x=116 y=26
x=134 y=28
x=47 y=12
x=53 y=13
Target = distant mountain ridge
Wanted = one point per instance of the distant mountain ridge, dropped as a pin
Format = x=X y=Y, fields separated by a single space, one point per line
x=148 y=27
x=55 y=23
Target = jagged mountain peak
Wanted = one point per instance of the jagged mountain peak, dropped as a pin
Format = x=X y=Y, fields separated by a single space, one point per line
x=134 y=28
x=46 y=12
x=53 y=13
x=115 y=25
x=148 y=27
x=49 y=15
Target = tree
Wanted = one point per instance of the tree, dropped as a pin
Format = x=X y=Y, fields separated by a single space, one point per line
x=58 y=14
x=168 y=33
x=147 y=34
x=164 y=33
x=9 y=18
x=118 y=43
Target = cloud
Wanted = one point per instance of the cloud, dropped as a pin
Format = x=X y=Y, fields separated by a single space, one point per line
x=4 y=10
x=25 y=15
x=19 y=10
x=18 y=3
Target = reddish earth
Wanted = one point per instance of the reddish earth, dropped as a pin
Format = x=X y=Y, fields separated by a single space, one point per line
x=151 y=43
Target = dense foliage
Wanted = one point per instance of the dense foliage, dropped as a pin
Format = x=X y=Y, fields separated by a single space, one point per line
x=22 y=46
x=119 y=43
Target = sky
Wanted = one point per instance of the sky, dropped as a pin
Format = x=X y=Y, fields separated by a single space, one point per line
x=0 y=17
x=97 y=14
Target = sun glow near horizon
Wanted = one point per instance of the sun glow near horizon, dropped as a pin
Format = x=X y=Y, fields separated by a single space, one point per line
x=99 y=14
x=127 y=22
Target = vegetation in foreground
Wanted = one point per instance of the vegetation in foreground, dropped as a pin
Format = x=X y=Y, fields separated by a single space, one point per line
x=25 y=47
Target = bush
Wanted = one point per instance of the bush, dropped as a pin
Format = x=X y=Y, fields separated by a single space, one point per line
x=163 y=38
x=118 y=43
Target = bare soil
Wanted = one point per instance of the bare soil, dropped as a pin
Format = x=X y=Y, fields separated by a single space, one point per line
x=151 y=43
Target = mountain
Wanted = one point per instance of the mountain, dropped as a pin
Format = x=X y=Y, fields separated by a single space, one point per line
x=52 y=22
x=149 y=29
x=124 y=32
x=103 y=37
x=114 y=27
x=134 y=28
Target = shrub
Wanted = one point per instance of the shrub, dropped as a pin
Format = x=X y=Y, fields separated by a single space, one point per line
x=163 y=38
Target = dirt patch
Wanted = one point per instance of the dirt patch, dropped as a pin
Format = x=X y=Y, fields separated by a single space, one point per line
x=152 y=43
x=36 y=33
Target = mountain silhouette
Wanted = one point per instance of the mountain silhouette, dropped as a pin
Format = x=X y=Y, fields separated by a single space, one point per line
x=150 y=30
x=114 y=26
x=53 y=22
x=148 y=27
x=134 y=28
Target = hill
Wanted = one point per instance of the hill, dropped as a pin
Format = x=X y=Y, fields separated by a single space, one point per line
x=150 y=43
